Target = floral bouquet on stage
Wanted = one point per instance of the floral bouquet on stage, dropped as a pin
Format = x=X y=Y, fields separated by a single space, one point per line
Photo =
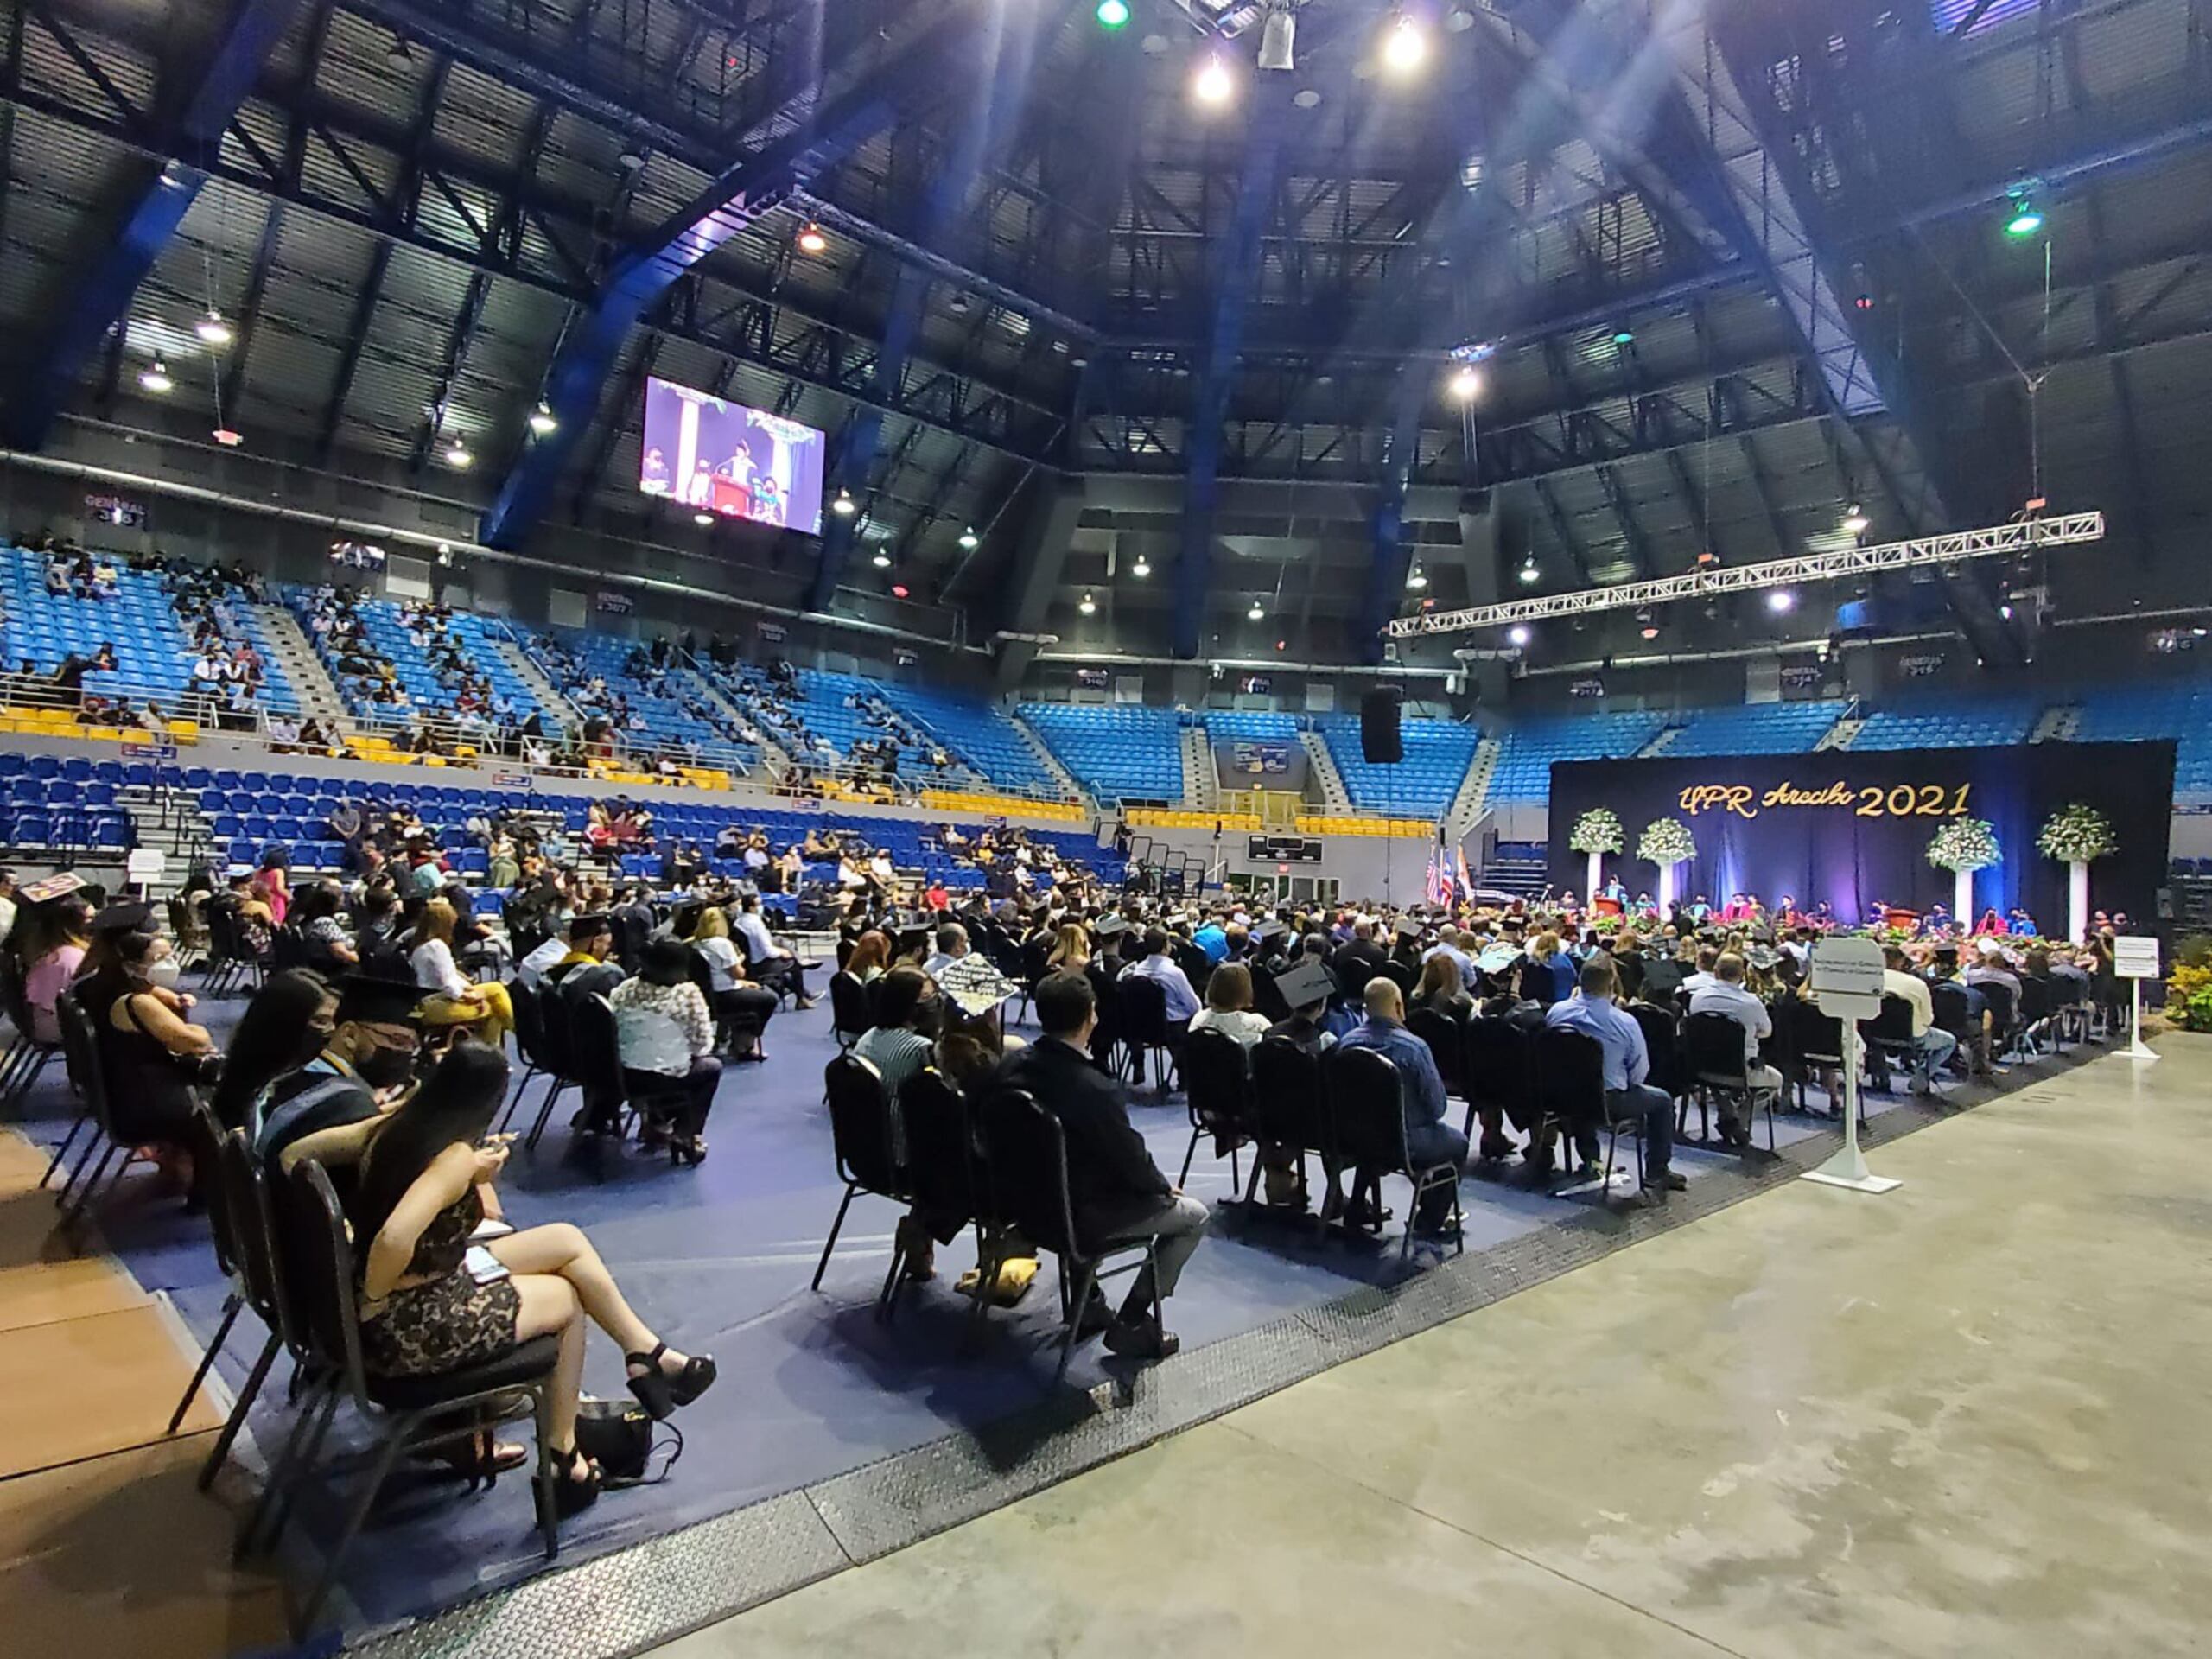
x=1964 y=845
x=1597 y=830
x=1666 y=840
x=2077 y=835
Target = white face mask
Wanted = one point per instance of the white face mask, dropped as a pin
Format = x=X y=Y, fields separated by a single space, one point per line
x=163 y=974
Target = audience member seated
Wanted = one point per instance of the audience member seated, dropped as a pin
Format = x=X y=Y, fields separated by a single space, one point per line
x=1592 y=1011
x=1157 y=965
x=741 y=1003
x=60 y=934
x=363 y=1067
x=1726 y=995
x=1443 y=988
x=153 y=1057
x=664 y=1032
x=1932 y=1045
x=450 y=997
x=1119 y=1194
x=426 y=1310
x=285 y=1026
x=771 y=963
x=1228 y=1005
x=1429 y=1138
x=322 y=938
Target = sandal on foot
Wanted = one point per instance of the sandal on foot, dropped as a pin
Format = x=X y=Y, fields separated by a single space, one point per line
x=661 y=1394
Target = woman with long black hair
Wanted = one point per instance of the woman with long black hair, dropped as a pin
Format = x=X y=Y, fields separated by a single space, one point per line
x=282 y=1028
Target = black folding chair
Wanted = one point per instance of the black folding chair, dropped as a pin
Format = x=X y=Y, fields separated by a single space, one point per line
x=1447 y=1037
x=1889 y=1033
x=1662 y=1049
x=612 y=1092
x=556 y=1060
x=1288 y=1109
x=1141 y=1005
x=1026 y=1163
x=1367 y=1120
x=1571 y=1090
x=1217 y=1086
x=1816 y=1042
x=80 y=1060
x=2034 y=1013
x=407 y=1413
x=860 y=1130
x=1714 y=1062
x=851 y=1015
x=1499 y=1073
x=935 y=1149
x=115 y=1129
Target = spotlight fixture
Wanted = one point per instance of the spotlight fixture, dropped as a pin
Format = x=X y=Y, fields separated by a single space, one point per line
x=457 y=456
x=2026 y=220
x=1113 y=14
x=1856 y=521
x=212 y=330
x=1213 y=84
x=2005 y=611
x=541 y=421
x=1087 y=605
x=899 y=590
x=703 y=518
x=1529 y=573
x=397 y=54
x=228 y=437
x=882 y=559
x=1624 y=336
x=155 y=378
x=1257 y=612
x=1518 y=633
x=1647 y=624
x=1416 y=578
x=1466 y=383
x=812 y=240
x=1780 y=600
x=969 y=541
x=1405 y=48
x=1141 y=568
x=844 y=506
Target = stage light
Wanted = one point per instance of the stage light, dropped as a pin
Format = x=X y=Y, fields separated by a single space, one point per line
x=882 y=559
x=844 y=506
x=969 y=541
x=2005 y=611
x=213 y=331
x=1856 y=520
x=155 y=377
x=1257 y=613
x=2025 y=221
x=1781 y=599
x=1142 y=568
x=1529 y=573
x=1405 y=48
x=1624 y=336
x=397 y=56
x=899 y=590
x=1213 y=84
x=703 y=518
x=541 y=421
x=1087 y=605
x=1416 y=578
x=810 y=240
x=1113 y=14
x=457 y=456
x=1279 y=41
x=1466 y=384
x=228 y=437
x=1518 y=633
x=1648 y=625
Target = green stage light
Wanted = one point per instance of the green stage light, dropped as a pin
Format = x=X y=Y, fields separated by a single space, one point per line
x=2025 y=221
x=1113 y=14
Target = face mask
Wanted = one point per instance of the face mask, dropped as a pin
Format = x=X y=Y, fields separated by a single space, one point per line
x=163 y=972
x=384 y=1068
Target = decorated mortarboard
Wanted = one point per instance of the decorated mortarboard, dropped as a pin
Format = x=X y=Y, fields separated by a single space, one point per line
x=974 y=986
x=49 y=888
x=1308 y=981
x=1762 y=957
x=1409 y=928
x=1109 y=927
x=1497 y=959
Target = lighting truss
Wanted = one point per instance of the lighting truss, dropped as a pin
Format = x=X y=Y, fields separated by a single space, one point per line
x=2020 y=536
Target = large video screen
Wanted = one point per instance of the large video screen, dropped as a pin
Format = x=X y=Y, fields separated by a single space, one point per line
x=723 y=457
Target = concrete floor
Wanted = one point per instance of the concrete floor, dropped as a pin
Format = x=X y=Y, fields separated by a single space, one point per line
x=1963 y=1419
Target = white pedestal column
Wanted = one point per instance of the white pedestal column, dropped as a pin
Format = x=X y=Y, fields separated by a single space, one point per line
x=1667 y=890
x=1596 y=879
x=1962 y=898
x=2077 y=900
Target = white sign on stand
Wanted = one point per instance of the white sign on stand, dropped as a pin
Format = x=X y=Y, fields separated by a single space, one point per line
x=1846 y=981
x=143 y=867
x=2135 y=958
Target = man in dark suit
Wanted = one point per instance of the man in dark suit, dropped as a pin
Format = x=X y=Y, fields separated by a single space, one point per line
x=1360 y=958
x=634 y=922
x=1118 y=1192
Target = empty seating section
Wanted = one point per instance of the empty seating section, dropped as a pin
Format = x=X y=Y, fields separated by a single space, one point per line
x=1438 y=754
x=1249 y=725
x=1123 y=752
x=977 y=733
x=2128 y=714
x=1756 y=728
x=1526 y=753
x=153 y=657
x=66 y=803
x=672 y=714
x=1951 y=723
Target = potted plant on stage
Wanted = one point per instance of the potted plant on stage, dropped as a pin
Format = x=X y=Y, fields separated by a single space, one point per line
x=1963 y=845
x=1668 y=843
x=1596 y=833
x=2076 y=835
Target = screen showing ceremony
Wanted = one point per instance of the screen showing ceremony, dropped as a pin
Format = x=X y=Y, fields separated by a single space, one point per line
x=717 y=456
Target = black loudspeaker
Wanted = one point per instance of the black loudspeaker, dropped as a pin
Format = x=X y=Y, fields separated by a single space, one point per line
x=1379 y=743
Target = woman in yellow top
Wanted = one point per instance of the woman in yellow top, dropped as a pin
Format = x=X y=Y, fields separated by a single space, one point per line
x=450 y=997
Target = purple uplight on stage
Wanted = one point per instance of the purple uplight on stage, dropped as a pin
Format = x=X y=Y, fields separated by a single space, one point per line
x=721 y=457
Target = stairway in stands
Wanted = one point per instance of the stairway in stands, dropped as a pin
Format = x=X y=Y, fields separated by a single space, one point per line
x=1061 y=775
x=166 y=817
x=1515 y=870
x=1662 y=740
x=1466 y=808
x=1839 y=735
x=1322 y=765
x=559 y=712
x=2061 y=723
x=1201 y=787
x=773 y=756
x=310 y=680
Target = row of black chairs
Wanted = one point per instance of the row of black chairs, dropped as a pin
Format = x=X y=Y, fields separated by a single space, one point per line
x=1000 y=1160
x=284 y=1248
x=578 y=1048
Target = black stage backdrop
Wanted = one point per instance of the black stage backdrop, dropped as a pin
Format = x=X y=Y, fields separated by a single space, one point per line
x=1854 y=829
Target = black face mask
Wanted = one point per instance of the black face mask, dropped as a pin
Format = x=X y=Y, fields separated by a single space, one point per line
x=312 y=1041
x=384 y=1068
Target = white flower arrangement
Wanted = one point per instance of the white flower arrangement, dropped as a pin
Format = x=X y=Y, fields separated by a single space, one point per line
x=1597 y=830
x=1966 y=844
x=2077 y=834
x=1666 y=840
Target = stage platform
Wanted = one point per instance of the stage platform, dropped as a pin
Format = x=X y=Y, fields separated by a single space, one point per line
x=833 y=1438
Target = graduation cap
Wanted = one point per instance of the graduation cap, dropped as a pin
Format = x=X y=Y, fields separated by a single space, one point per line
x=49 y=888
x=1111 y=927
x=1407 y=928
x=591 y=922
x=366 y=999
x=1762 y=958
x=130 y=917
x=1307 y=983
x=1497 y=959
x=1267 y=930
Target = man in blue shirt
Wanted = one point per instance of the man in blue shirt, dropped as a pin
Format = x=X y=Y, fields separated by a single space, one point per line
x=1593 y=1012
x=1212 y=939
x=1421 y=1095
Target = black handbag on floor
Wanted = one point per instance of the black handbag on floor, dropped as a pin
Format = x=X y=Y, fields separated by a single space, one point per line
x=617 y=1436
